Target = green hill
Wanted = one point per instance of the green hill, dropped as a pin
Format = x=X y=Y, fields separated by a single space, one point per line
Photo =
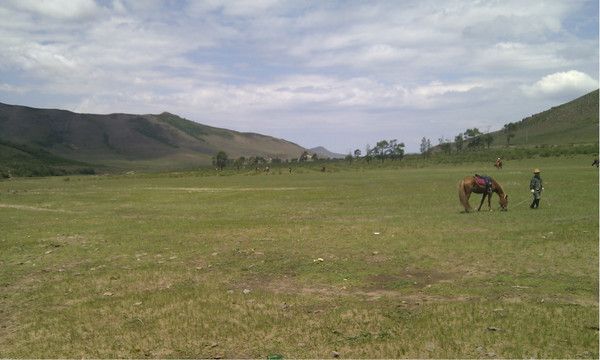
x=127 y=141
x=575 y=122
x=23 y=160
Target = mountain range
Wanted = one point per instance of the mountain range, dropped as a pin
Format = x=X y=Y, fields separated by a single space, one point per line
x=43 y=141
x=164 y=141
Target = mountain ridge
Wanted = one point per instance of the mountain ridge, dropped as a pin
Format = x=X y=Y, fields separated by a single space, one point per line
x=324 y=153
x=160 y=140
x=572 y=122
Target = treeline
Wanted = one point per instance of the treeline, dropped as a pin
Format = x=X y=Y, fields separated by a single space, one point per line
x=383 y=150
x=470 y=139
x=484 y=155
x=474 y=139
x=20 y=160
x=34 y=170
x=377 y=156
x=505 y=153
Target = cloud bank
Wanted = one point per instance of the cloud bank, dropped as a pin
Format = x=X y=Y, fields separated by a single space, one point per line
x=354 y=72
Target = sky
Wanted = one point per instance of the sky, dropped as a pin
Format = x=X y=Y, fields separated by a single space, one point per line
x=339 y=74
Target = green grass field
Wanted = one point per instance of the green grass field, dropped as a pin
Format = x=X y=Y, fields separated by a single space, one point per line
x=374 y=263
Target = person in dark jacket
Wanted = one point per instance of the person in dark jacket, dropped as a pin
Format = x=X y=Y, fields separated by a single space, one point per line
x=536 y=187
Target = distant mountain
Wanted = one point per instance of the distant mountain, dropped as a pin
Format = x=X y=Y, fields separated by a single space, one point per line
x=323 y=153
x=575 y=122
x=163 y=141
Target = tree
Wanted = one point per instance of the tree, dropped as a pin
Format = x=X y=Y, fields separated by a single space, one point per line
x=315 y=157
x=220 y=160
x=488 y=139
x=472 y=133
x=473 y=136
x=380 y=150
x=423 y=147
x=239 y=162
x=459 y=140
x=304 y=156
x=257 y=160
x=348 y=158
x=357 y=153
x=475 y=142
x=509 y=130
x=445 y=145
x=395 y=150
x=368 y=153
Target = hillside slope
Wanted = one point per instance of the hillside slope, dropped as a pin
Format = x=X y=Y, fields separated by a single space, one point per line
x=163 y=141
x=575 y=122
x=23 y=160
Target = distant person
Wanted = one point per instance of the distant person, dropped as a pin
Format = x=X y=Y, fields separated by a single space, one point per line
x=498 y=164
x=536 y=187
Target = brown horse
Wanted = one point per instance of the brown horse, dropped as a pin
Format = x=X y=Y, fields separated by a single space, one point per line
x=470 y=185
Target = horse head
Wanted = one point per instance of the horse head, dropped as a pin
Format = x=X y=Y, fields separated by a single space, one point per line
x=503 y=202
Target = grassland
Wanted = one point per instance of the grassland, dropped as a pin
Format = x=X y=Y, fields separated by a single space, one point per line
x=366 y=263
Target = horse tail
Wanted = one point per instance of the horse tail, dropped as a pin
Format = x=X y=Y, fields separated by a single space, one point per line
x=462 y=195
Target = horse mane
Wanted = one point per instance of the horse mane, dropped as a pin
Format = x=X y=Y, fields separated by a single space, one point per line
x=499 y=188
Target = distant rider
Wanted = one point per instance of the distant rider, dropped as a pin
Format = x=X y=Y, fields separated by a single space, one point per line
x=536 y=188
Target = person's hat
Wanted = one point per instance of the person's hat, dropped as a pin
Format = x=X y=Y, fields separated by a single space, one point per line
x=536 y=171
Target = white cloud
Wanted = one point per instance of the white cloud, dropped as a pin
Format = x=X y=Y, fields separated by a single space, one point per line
x=560 y=84
x=385 y=65
x=12 y=88
x=438 y=88
x=58 y=9
x=518 y=56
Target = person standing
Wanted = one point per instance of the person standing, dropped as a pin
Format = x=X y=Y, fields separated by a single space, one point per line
x=536 y=187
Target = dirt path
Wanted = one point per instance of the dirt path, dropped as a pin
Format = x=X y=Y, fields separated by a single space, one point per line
x=196 y=189
x=33 y=208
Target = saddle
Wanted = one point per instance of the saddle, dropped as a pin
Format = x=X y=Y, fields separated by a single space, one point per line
x=484 y=182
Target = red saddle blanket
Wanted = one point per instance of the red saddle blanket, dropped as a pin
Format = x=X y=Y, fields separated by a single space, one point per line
x=483 y=181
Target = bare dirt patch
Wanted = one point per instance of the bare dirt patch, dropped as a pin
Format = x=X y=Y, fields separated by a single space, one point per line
x=32 y=208
x=376 y=258
x=289 y=286
x=409 y=277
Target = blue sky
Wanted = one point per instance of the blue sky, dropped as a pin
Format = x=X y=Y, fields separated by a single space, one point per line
x=342 y=74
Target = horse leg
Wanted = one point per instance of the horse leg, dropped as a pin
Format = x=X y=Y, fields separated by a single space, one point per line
x=468 y=196
x=481 y=203
x=489 y=202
